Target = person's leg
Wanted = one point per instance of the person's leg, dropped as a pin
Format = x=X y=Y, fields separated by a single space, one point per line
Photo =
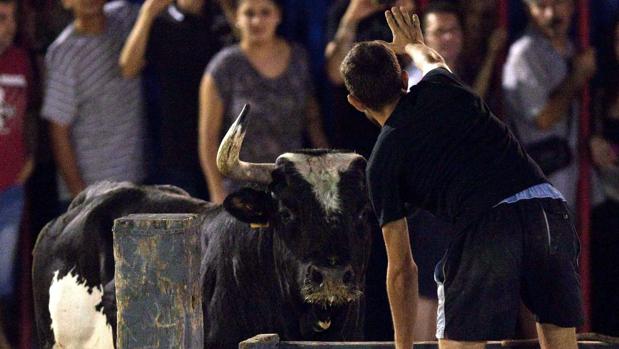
x=479 y=281
x=425 y=326
x=449 y=344
x=551 y=286
x=11 y=206
x=605 y=268
x=526 y=324
x=555 y=337
x=429 y=240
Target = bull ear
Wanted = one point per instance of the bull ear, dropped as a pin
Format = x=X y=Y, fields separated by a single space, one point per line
x=250 y=206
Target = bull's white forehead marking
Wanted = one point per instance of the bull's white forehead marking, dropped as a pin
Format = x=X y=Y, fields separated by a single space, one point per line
x=76 y=323
x=323 y=174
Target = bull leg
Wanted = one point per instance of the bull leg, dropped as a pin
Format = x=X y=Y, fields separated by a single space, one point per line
x=109 y=305
x=42 y=317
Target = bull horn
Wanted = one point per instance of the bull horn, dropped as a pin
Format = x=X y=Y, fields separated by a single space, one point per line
x=228 y=161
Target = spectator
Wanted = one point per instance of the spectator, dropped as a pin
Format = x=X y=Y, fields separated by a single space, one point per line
x=270 y=74
x=96 y=121
x=485 y=40
x=362 y=20
x=15 y=156
x=604 y=221
x=541 y=79
x=178 y=40
x=442 y=25
x=442 y=28
x=351 y=21
x=480 y=20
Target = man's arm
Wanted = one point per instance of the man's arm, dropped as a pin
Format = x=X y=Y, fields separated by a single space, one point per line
x=402 y=283
x=132 y=58
x=209 y=129
x=66 y=160
x=484 y=77
x=30 y=127
x=30 y=136
x=561 y=98
x=344 y=38
x=407 y=37
x=314 y=128
x=425 y=58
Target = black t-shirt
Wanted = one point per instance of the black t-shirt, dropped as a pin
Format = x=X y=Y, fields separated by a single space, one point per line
x=443 y=150
x=179 y=47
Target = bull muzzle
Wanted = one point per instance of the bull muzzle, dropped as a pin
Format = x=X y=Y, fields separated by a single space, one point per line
x=228 y=161
x=330 y=286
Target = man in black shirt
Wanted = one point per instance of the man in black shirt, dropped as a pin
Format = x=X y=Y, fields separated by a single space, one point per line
x=441 y=149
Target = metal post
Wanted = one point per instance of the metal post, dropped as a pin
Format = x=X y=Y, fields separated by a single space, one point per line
x=584 y=182
x=158 y=292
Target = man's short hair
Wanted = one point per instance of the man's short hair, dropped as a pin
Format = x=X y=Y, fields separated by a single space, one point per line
x=372 y=74
x=442 y=6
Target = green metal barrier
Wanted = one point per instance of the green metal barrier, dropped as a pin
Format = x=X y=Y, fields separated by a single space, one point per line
x=157 y=277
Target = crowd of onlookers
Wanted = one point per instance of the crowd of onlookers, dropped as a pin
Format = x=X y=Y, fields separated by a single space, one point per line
x=144 y=92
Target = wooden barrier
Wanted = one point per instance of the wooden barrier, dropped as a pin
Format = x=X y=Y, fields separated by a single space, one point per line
x=157 y=277
x=271 y=341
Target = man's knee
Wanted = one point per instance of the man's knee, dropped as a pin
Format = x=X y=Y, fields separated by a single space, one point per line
x=555 y=337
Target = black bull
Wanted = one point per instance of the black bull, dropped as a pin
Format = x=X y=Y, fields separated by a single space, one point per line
x=289 y=258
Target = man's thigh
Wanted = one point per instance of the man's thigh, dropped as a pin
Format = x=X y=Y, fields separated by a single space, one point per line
x=479 y=279
x=551 y=283
x=525 y=250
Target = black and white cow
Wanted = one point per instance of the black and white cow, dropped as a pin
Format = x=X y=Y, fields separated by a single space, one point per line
x=289 y=258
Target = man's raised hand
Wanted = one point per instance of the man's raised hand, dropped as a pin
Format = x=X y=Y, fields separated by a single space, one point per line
x=405 y=28
x=407 y=38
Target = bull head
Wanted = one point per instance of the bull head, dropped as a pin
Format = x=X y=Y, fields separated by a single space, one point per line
x=317 y=208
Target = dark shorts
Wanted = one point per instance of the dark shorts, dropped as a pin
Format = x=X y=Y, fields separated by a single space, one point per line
x=525 y=250
x=429 y=240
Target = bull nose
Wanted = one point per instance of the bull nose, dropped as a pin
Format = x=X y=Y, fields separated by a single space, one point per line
x=315 y=275
x=349 y=275
x=319 y=276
